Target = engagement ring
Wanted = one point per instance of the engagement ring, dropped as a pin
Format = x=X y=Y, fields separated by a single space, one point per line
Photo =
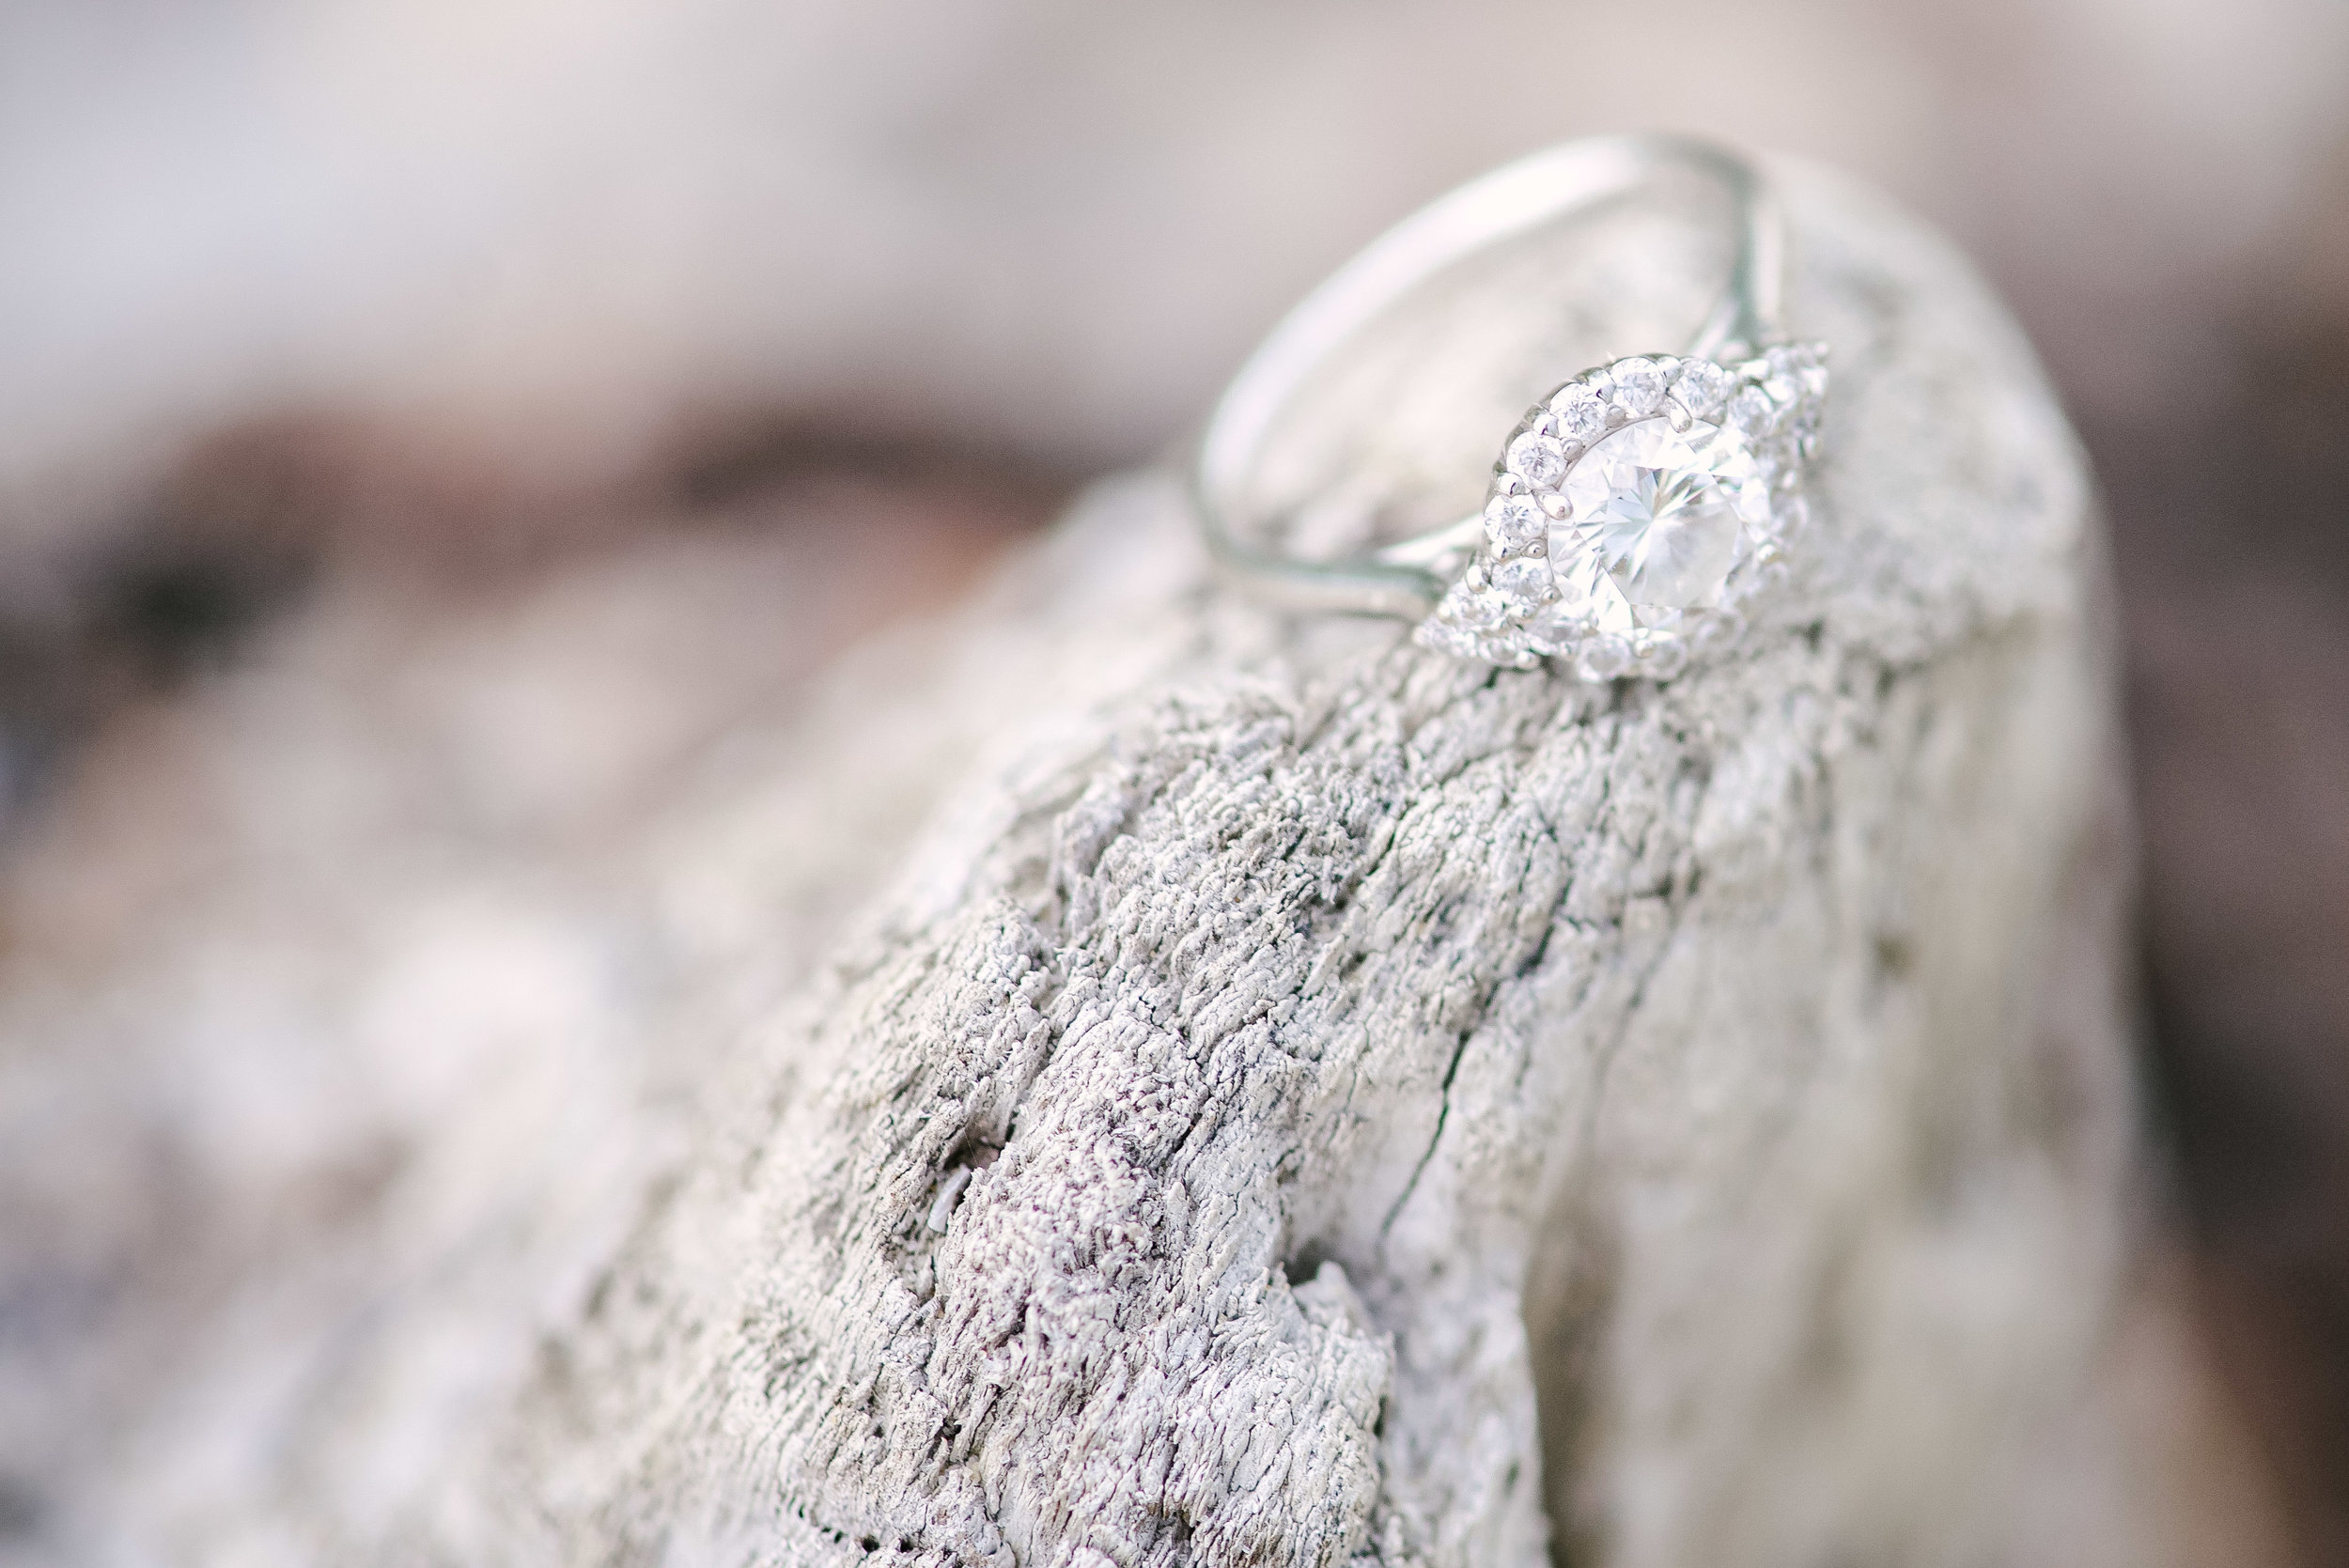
x=1634 y=509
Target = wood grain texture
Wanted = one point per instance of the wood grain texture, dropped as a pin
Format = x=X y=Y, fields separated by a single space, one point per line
x=1300 y=1100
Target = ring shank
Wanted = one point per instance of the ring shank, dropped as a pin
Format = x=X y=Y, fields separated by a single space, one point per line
x=1531 y=193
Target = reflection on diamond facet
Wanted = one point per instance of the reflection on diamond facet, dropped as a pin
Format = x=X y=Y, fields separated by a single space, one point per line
x=1660 y=518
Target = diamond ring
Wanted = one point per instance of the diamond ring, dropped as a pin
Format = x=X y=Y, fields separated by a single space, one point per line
x=1634 y=509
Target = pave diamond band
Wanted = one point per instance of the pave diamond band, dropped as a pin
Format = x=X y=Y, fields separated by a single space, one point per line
x=1633 y=509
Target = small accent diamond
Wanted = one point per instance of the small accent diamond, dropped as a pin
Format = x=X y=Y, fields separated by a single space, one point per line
x=1752 y=411
x=1524 y=582
x=1477 y=612
x=1580 y=414
x=1701 y=386
x=1720 y=630
x=1512 y=522
x=1639 y=386
x=1665 y=659
x=1605 y=658
x=1444 y=637
x=1790 y=360
x=1537 y=459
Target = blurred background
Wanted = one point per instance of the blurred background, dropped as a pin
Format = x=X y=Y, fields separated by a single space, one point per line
x=426 y=424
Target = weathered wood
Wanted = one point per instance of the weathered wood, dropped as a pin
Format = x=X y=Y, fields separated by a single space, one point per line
x=1300 y=1100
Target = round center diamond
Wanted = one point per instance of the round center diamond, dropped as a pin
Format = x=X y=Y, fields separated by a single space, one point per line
x=1659 y=519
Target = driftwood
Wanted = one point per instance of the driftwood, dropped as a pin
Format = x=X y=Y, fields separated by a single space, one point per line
x=1293 y=1099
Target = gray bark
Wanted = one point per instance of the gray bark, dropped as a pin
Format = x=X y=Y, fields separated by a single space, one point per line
x=1297 y=1100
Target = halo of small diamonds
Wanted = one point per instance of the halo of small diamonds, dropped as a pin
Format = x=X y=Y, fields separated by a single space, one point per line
x=1634 y=509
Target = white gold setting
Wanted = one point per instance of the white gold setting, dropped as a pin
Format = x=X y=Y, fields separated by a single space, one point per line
x=1636 y=510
